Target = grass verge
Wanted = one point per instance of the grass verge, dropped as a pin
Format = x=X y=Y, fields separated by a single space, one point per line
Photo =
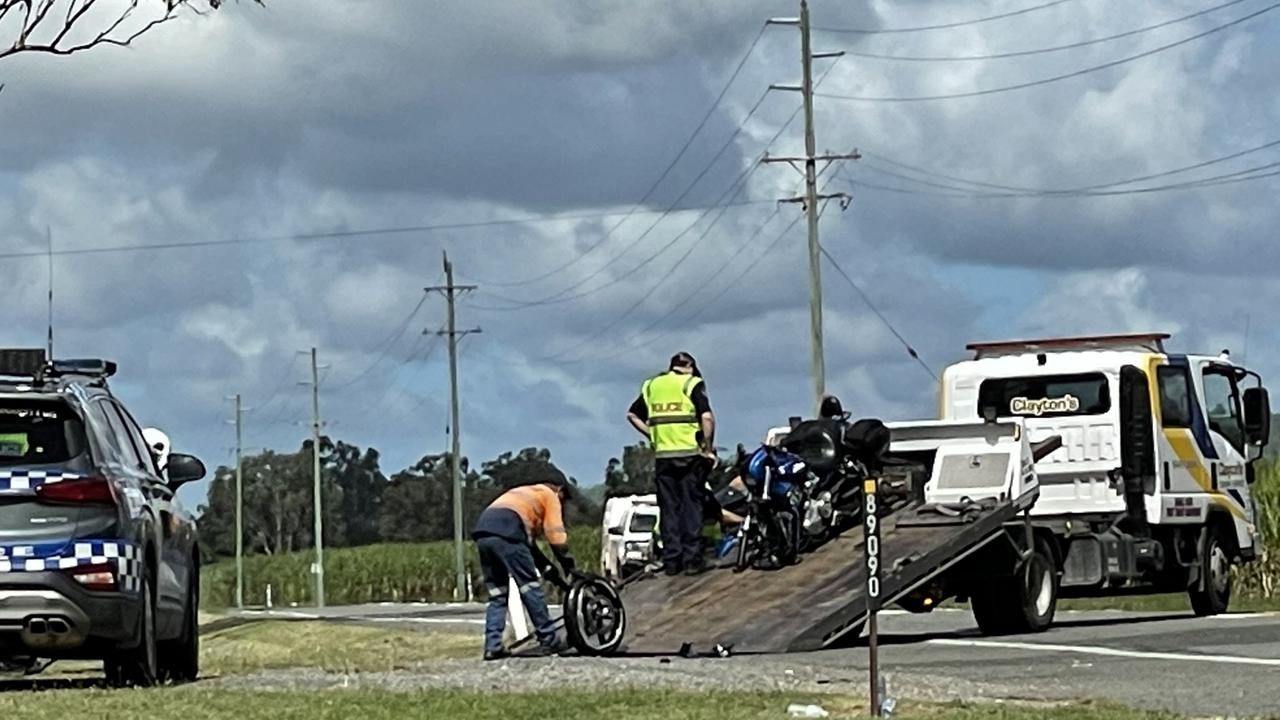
x=210 y=704
x=334 y=647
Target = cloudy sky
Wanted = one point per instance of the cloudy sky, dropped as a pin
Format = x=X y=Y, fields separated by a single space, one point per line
x=310 y=117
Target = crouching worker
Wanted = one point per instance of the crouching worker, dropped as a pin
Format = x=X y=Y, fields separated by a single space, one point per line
x=505 y=536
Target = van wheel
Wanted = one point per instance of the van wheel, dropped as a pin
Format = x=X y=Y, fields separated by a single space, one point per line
x=1023 y=603
x=1216 y=596
x=137 y=666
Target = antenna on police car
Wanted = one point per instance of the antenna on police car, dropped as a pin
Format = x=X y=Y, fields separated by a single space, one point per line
x=48 y=234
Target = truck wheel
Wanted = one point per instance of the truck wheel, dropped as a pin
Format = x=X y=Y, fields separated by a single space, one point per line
x=137 y=666
x=180 y=658
x=1216 y=596
x=1024 y=603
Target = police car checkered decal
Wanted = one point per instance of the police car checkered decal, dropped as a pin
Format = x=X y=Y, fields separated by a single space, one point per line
x=30 y=558
x=32 y=479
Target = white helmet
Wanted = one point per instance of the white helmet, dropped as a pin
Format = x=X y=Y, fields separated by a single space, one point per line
x=158 y=444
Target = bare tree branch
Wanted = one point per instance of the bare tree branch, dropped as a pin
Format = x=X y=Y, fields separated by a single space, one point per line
x=73 y=34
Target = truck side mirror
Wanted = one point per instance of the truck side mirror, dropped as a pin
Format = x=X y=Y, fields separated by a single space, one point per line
x=1257 y=415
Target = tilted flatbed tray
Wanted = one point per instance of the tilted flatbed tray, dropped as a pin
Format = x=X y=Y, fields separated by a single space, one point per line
x=810 y=605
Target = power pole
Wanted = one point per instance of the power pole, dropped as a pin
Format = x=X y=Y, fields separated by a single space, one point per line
x=812 y=196
x=318 y=509
x=450 y=292
x=239 y=506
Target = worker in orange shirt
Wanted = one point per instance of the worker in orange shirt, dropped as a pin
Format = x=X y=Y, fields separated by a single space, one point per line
x=505 y=535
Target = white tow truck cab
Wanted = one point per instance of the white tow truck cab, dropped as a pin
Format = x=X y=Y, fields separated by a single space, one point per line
x=628 y=540
x=1150 y=489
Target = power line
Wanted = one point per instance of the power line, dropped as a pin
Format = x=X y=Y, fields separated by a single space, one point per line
x=336 y=234
x=385 y=346
x=944 y=26
x=1038 y=51
x=1127 y=181
x=872 y=306
x=1056 y=78
x=563 y=295
x=653 y=188
x=740 y=185
x=1246 y=174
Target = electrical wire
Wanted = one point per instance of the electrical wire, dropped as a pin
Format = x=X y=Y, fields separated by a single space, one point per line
x=567 y=293
x=331 y=235
x=740 y=185
x=943 y=26
x=385 y=346
x=872 y=307
x=872 y=157
x=654 y=187
x=1055 y=78
x=1044 y=50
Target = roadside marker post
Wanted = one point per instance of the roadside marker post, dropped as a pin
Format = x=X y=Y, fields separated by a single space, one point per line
x=871 y=544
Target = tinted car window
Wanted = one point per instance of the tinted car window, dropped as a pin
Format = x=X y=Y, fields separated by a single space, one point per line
x=127 y=451
x=135 y=434
x=1223 y=408
x=34 y=432
x=1046 y=395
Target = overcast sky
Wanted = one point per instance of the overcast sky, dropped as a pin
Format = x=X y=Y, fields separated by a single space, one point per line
x=311 y=116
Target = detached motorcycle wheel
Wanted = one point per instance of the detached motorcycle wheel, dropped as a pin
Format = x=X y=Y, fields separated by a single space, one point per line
x=594 y=619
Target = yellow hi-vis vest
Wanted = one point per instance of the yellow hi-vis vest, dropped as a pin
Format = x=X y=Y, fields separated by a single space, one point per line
x=673 y=420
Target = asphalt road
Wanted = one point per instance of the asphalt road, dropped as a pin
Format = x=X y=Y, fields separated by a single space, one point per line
x=1223 y=666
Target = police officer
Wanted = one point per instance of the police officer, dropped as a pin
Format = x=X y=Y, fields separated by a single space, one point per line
x=673 y=412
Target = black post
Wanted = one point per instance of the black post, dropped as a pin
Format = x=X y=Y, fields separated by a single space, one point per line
x=871 y=531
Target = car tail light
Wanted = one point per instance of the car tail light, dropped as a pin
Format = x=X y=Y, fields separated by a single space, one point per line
x=86 y=491
x=95 y=577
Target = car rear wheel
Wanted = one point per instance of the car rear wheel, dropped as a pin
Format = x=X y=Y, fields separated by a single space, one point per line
x=180 y=658
x=137 y=666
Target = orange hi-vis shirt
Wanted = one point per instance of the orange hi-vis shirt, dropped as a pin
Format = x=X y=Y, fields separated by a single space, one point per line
x=539 y=508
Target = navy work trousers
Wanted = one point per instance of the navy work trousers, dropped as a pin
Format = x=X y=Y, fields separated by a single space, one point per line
x=500 y=560
x=680 y=497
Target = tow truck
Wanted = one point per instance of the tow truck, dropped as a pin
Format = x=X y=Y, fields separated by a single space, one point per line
x=1082 y=466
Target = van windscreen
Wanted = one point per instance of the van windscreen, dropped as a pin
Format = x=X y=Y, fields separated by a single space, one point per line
x=1046 y=395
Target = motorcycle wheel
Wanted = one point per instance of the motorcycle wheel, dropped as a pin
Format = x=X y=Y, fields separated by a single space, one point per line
x=594 y=619
x=746 y=544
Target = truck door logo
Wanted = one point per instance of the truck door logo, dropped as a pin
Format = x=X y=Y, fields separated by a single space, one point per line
x=1038 y=407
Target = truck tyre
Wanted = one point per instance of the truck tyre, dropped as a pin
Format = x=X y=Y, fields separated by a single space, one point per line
x=1216 y=562
x=180 y=658
x=1023 y=603
x=137 y=666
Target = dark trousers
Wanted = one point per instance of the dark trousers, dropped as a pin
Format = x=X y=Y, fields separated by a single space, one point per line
x=680 y=496
x=501 y=559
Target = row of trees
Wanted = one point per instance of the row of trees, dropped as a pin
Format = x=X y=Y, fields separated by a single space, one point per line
x=362 y=505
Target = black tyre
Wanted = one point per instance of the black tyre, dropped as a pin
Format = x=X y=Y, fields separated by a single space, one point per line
x=746 y=544
x=594 y=620
x=137 y=666
x=179 y=660
x=1023 y=603
x=1215 y=598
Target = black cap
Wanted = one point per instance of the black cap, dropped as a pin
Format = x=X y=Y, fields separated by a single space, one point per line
x=684 y=359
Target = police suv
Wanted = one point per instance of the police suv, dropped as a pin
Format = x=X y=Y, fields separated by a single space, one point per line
x=98 y=561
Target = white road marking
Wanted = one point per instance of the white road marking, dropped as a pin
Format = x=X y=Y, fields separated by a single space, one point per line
x=424 y=621
x=1109 y=652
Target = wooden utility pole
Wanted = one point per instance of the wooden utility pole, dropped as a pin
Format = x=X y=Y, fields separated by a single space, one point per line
x=811 y=197
x=451 y=292
x=318 y=505
x=239 y=505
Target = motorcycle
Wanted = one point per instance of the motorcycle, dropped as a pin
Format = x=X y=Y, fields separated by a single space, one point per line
x=809 y=489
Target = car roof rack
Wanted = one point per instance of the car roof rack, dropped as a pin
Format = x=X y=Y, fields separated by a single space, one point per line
x=1152 y=342
x=34 y=365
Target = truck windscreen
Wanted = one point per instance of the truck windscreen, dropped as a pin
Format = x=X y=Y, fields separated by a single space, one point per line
x=1046 y=395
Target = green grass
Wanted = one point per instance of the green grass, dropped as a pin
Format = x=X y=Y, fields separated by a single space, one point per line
x=334 y=647
x=396 y=572
x=214 y=704
x=1176 y=602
